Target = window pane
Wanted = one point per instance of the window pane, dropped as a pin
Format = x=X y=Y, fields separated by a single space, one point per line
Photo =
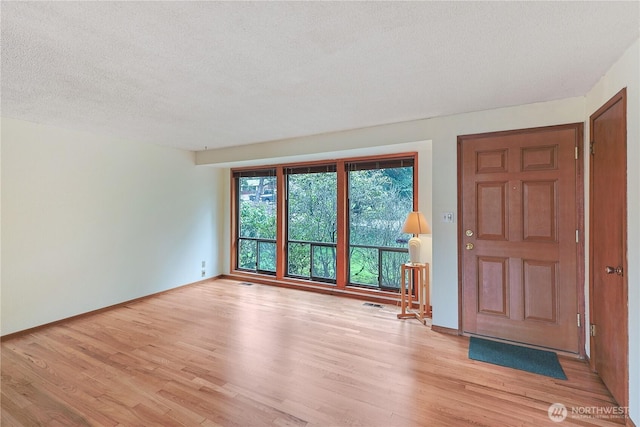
x=324 y=262
x=267 y=256
x=299 y=259
x=363 y=266
x=257 y=207
x=247 y=255
x=312 y=207
x=256 y=220
x=380 y=200
x=311 y=218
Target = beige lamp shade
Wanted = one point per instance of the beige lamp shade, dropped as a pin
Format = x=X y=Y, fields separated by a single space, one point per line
x=416 y=223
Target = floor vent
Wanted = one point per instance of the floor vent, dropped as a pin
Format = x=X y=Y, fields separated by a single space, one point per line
x=246 y=284
x=370 y=304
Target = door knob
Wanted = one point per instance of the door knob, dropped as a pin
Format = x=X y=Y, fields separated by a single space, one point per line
x=469 y=246
x=610 y=270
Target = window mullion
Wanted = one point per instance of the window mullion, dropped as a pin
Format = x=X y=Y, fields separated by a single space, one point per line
x=281 y=224
x=341 y=227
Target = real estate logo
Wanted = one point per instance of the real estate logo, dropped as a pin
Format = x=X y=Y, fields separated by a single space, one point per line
x=557 y=412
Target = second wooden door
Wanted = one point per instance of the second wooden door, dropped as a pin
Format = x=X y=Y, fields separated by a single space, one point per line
x=608 y=207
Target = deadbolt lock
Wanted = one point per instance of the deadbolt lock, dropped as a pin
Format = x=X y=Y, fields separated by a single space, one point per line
x=469 y=233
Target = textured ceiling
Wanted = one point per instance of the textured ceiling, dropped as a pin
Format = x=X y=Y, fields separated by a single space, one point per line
x=215 y=74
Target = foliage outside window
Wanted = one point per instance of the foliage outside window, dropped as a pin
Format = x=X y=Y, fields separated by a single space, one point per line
x=257 y=221
x=311 y=220
x=378 y=194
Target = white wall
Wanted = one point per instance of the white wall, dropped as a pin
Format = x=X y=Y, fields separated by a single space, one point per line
x=626 y=73
x=90 y=221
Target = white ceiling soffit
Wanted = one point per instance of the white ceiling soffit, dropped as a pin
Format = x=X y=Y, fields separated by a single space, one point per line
x=217 y=74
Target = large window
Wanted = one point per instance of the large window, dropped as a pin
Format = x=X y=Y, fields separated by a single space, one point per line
x=380 y=196
x=311 y=221
x=336 y=224
x=256 y=222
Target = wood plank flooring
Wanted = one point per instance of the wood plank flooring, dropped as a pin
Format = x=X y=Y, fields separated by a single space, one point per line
x=224 y=354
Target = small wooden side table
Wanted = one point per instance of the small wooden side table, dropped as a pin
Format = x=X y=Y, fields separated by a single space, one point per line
x=414 y=279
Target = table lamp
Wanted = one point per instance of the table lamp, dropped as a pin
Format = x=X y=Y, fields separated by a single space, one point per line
x=415 y=224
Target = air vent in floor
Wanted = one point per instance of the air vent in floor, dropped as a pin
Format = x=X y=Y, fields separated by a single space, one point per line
x=370 y=304
x=246 y=284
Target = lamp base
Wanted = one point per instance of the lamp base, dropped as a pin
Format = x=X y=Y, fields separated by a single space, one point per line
x=414 y=250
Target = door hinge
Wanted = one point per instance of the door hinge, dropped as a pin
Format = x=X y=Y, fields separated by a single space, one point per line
x=592 y=330
x=591 y=149
x=579 y=322
x=577 y=153
x=577 y=236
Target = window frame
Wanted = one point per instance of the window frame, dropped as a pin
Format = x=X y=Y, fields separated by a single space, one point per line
x=341 y=285
x=375 y=164
x=236 y=200
x=300 y=170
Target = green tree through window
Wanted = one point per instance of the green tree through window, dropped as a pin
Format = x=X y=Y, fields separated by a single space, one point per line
x=379 y=199
x=311 y=219
x=378 y=196
x=257 y=221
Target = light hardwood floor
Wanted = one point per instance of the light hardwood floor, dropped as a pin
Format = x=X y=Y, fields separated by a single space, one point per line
x=222 y=353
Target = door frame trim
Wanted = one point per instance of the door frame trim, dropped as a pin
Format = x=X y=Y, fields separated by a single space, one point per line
x=620 y=96
x=580 y=246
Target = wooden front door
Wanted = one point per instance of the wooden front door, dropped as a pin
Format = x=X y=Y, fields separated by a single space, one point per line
x=519 y=231
x=608 y=260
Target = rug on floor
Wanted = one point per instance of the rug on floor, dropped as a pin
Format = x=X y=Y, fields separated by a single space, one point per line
x=513 y=356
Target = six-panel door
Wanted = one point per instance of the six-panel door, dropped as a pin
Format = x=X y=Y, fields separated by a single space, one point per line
x=519 y=222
